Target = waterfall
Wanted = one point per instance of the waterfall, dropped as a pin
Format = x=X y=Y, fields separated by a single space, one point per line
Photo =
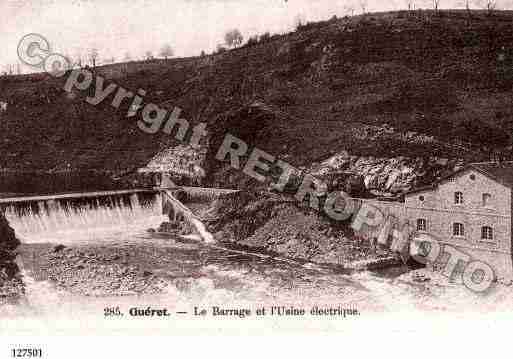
x=48 y=219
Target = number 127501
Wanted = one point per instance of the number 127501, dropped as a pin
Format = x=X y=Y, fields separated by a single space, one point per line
x=26 y=353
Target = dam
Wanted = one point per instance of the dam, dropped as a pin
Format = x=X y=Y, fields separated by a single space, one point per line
x=45 y=218
x=82 y=214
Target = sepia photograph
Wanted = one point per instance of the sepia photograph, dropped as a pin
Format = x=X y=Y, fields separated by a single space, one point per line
x=254 y=166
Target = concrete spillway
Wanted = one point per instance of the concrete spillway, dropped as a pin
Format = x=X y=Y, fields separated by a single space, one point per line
x=44 y=218
x=177 y=210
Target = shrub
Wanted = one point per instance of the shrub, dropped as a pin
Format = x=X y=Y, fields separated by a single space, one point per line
x=253 y=40
x=265 y=37
x=220 y=49
x=233 y=38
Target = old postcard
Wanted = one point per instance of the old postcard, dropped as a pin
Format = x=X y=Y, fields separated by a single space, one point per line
x=265 y=166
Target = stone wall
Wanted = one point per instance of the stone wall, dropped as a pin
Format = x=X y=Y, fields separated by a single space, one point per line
x=387 y=208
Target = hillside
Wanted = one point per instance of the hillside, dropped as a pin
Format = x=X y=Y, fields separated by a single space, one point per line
x=366 y=85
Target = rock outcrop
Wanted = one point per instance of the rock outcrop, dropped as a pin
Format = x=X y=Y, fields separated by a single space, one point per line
x=279 y=225
x=10 y=282
x=384 y=176
x=8 y=245
x=183 y=163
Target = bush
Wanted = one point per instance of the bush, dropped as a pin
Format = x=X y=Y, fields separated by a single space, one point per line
x=311 y=26
x=220 y=50
x=483 y=133
x=253 y=40
x=265 y=37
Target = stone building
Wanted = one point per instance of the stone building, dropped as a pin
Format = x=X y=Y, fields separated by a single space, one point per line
x=470 y=210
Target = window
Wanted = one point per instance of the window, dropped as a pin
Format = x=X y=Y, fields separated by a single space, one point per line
x=458 y=229
x=458 y=198
x=421 y=225
x=487 y=233
x=487 y=198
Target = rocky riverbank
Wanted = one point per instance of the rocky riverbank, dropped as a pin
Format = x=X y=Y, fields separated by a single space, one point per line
x=162 y=265
x=98 y=270
x=11 y=285
x=275 y=224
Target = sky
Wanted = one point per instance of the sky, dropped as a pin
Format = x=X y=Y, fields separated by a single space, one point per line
x=116 y=27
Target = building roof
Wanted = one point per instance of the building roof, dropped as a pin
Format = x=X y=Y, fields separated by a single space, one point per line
x=500 y=172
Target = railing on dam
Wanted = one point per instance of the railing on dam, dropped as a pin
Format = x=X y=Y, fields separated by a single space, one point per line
x=74 y=195
x=194 y=193
x=200 y=194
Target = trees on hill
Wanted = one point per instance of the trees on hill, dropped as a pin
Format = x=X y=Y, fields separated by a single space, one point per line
x=299 y=21
x=220 y=49
x=77 y=62
x=93 y=57
x=363 y=5
x=488 y=5
x=410 y=4
x=467 y=4
x=166 y=51
x=349 y=9
x=436 y=4
x=233 y=38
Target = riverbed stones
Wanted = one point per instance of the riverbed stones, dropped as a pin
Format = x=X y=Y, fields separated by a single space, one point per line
x=101 y=273
x=58 y=248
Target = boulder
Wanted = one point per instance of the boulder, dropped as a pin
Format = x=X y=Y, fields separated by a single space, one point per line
x=8 y=245
x=11 y=287
x=355 y=186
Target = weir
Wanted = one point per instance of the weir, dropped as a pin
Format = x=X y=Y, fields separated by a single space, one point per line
x=66 y=216
x=46 y=218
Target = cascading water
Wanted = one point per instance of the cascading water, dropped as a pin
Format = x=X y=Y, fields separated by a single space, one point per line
x=75 y=218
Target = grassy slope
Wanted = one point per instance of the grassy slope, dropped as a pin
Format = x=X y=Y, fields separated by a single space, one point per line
x=439 y=75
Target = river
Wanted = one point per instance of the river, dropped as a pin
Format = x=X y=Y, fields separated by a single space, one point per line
x=189 y=274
